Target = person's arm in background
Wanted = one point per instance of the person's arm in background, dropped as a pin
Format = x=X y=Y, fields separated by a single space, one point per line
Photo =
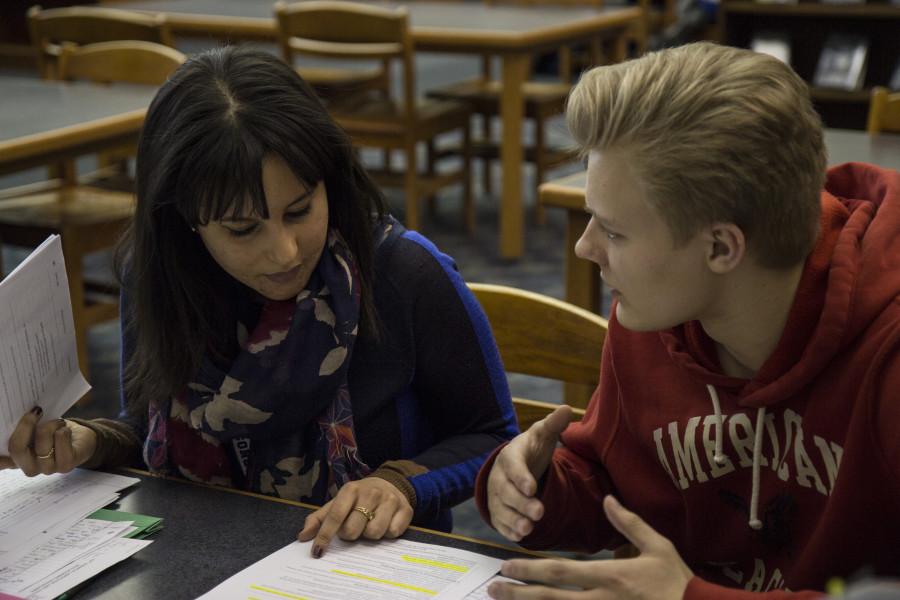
x=458 y=407
x=460 y=384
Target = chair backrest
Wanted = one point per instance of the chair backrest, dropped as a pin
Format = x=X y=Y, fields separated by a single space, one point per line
x=884 y=111
x=121 y=62
x=88 y=25
x=337 y=29
x=544 y=337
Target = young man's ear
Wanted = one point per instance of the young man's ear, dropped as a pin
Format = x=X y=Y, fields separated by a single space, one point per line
x=726 y=247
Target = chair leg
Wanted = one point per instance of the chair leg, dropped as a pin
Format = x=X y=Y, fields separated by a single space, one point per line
x=486 y=162
x=65 y=170
x=468 y=200
x=431 y=159
x=116 y=160
x=409 y=187
x=540 y=216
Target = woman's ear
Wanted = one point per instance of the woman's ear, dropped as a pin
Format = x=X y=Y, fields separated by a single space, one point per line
x=726 y=247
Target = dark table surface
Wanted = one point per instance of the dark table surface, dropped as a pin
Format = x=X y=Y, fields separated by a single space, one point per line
x=29 y=105
x=210 y=534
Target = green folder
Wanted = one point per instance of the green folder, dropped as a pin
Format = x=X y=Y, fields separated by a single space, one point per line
x=145 y=525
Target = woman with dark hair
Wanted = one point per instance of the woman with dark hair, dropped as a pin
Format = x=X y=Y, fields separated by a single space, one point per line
x=282 y=333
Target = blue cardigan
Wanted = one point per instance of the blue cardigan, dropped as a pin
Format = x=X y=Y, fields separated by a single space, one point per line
x=430 y=393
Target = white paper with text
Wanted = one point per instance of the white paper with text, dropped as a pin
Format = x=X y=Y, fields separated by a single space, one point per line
x=362 y=570
x=34 y=510
x=38 y=355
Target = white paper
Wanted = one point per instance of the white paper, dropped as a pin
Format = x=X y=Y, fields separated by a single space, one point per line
x=85 y=567
x=38 y=355
x=42 y=562
x=361 y=570
x=34 y=510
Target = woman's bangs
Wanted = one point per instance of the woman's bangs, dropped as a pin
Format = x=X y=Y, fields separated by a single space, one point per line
x=222 y=179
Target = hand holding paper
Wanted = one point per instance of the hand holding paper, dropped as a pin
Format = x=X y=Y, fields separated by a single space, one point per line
x=38 y=357
x=47 y=447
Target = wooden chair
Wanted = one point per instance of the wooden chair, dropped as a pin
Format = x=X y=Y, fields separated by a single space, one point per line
x=350 y=31
x=884 y=111
x=540 y=336
x=88 y=25
x=135 y=62
x=329 y=82
x=87 y=218
x=53 y=28
x=542 y=101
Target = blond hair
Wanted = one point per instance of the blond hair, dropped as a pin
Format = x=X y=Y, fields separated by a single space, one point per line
x=714 y=134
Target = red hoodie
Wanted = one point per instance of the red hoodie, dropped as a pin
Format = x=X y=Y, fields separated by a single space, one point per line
x=829 y=396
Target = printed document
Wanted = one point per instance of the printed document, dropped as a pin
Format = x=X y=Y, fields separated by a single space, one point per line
x=361 y=570
x=38 y=355
x=34 y=510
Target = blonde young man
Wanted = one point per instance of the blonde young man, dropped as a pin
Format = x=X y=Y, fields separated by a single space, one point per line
x=749 y=398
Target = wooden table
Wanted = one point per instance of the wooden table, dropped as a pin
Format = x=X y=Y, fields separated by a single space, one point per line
x=42 y=122
x=210 y=533
x=514 y=33
x=582 y=277
x=45 y=121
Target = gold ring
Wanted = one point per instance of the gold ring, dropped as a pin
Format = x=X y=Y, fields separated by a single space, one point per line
x=48 y=455
x=368 y=514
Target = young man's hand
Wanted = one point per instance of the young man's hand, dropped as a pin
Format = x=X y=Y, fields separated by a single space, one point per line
x=658 y=573
x=512 y=482
x=56 y=446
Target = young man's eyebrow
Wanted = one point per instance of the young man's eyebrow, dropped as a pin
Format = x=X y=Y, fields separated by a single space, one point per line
x=604 y=221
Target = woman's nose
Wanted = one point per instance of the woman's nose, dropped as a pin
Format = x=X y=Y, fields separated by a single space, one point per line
x=284 y=247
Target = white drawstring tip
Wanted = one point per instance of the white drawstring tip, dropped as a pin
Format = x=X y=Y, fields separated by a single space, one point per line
x=720 y=459
x=755 y=524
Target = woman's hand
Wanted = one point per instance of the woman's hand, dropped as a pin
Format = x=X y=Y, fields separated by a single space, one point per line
x=371 y=507
x=57 y=446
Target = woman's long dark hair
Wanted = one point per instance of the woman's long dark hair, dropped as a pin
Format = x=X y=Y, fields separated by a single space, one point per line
x=199 y=157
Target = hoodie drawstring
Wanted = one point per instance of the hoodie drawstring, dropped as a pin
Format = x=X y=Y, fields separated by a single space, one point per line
x=720 y=421
x=755 y=523
x=720 y=458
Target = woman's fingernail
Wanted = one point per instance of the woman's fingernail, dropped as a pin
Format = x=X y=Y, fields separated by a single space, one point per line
x=316 y=551
x=37 y=410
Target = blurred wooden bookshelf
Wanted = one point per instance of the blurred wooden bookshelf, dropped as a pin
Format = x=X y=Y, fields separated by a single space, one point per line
x=807 y=26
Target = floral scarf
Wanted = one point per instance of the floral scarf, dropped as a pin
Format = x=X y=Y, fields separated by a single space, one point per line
x=278 y=420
